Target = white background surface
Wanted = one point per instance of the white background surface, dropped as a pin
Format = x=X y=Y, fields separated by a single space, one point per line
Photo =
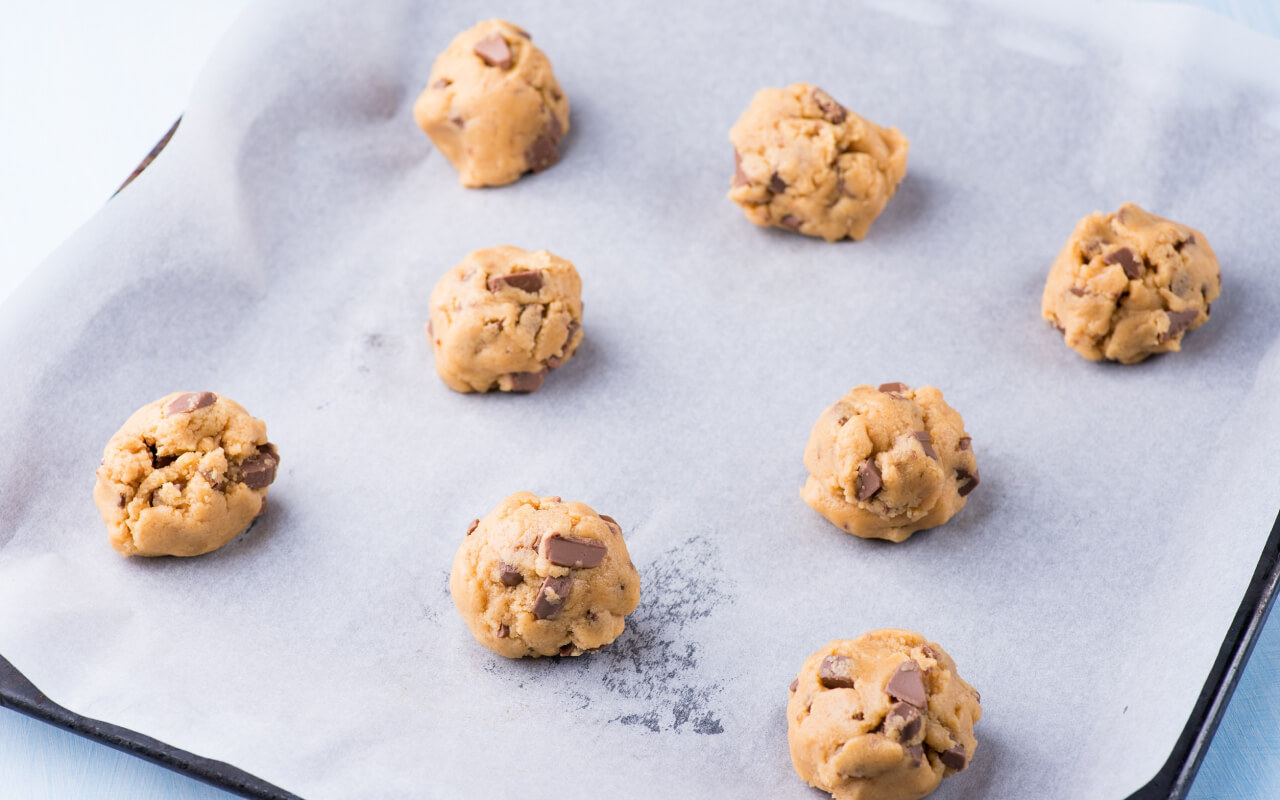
x=86 y=93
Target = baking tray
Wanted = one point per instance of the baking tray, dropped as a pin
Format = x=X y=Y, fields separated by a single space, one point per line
x=1173 y=781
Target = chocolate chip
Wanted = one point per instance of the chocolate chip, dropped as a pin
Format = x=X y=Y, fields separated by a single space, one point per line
x=503 y=631
x=1179 y=321
x=494 y=51
x=907 y=684
x=968 y=482
x=544 y=152
x=1190 y=240
x=790 y=221
x=458 y=122
x=739 y=177
x=1091 y=247
x=258 y=471
x=441 y=84
x=509 y=575
x=840 y=422
x=160 y=462
x=187 y=402
x=1127 y=260
x=554 y=362
x=525 y=382
x=894 y=389
x=868 y=482
x=776 y=184
x=552 y=596
x=529 y=280
x=120 y=501
x=572 y=329
x=612 y=522
x=928 y=651
x=262 y=509
x=795 y=684
x=906 y=719
x=1077 y=291
x=212 y=479
x=567 y=650
x=833 y=111
x=965 y=442
x=471 y=528
x=835 y=672
x=915 y=752
x=953 y=758
x=926 y=442
x=573 y=551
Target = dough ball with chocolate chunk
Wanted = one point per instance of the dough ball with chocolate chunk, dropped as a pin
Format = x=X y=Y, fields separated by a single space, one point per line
x=887 y=462
x=1130 y=284
x=503 y=318
x=881 y=717
x=808 y=164
x=493 y=106
x=184 y=475
x=542 y=577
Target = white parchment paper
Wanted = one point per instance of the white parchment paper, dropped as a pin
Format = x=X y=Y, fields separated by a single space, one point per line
x=282 y=251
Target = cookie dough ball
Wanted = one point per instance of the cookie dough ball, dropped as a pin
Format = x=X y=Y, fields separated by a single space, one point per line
x=493 y=106
x=184 y=475
x=503 y=318
x=881 y=717
x=884 y=463
x=1130 y=284
x=808 y=164
x=541 y=577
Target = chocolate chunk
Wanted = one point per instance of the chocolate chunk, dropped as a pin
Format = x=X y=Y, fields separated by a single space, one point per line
x=471 y=528
x=1179 y=321
x=526 y=281
x=1129 y=262
x=160 y=462
x=544 y=152
x=509 y=575
x=552 y=596
x=494 y=51
x=833 y=111
x=120 y=501
x=1190 y=240
x=965 y=442
x=1091 y=248
x=914 y=752
x=1077 y=291
x=776 y=184
x=926 y=442
x=526 y=382
x=840 y=422
x=503 y=631
x=189 y=401
x=795 y=684
x=458 y=122
x=835 y=672
x=868 y=482
x=790 y=221
x=441 y=84
x=739 y=177
x=573 y=551
x=258 y=471
x=968 y=482
x=895 y=389
x=928 y=651
x=554 y=362
x=567 y=650
x=612 y=522
x=953 y=758
x=212 y=480
x=907 y=684
x=905 y=718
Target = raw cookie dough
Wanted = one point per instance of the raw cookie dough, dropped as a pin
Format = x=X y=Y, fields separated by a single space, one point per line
x=880 y=717
x=541 y=577
x=1130 y=284
x=493 y=106
x=184 y=475
x=808 y=164
x=884 y=463
x=503 y=317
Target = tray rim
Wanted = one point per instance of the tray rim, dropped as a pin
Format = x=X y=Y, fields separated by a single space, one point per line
x=1171 y=782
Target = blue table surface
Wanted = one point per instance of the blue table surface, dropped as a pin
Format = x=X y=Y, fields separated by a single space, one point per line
x=39 y=762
